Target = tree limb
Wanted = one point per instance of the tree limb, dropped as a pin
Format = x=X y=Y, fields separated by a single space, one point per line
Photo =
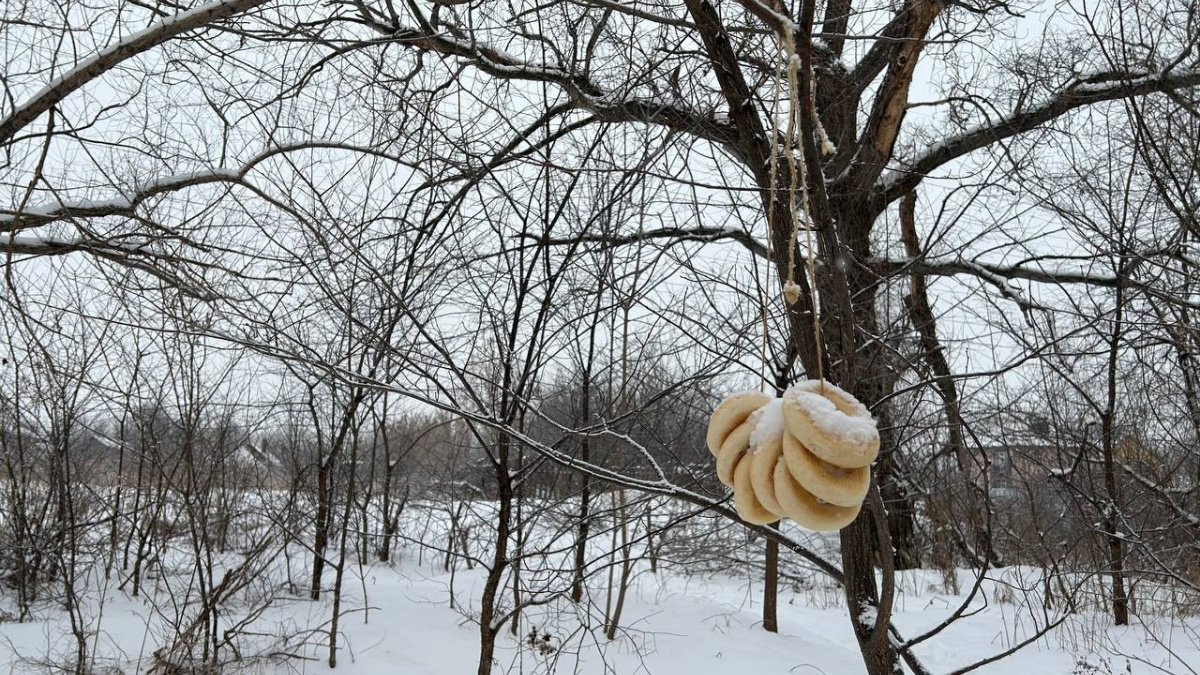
x=891 y=103
x=607 y=106
x=106 y=60
x=700 y=234
x=1076 y=95
x=999 y=275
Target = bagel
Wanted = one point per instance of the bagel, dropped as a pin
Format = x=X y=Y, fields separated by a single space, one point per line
x=735 y=446
x=801 y=506
x=762 y=472
x=833 y=424
x=732 y=412
x=749 y=508
x=838 y=486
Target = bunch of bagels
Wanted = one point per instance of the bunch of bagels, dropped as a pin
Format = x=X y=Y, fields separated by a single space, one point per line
x=806 y=456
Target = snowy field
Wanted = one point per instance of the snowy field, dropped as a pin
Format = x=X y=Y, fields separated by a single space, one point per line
x=414 y=616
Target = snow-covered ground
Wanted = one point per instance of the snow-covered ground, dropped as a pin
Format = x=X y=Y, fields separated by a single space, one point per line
x=674 y=624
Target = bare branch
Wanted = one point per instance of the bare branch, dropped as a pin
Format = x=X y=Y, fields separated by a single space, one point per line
x=1081 y=93
x=676 y=234
x=127 y=48
x=999 y=276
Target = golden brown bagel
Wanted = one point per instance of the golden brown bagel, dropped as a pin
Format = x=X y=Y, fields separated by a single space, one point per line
x=762 y=472
x=831 y=423
x=735 y=446
x=732 y=412
x=802 y=507
x=838 y=486
x=745 y=501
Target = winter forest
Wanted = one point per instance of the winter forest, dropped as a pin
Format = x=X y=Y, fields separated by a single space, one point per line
x=594 y=337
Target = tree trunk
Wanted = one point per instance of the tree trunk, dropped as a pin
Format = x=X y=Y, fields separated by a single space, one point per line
x=518 y=547
x=1112 y=506
x=622 y=511
x=771 y=587
x=491 y=587
x=585 y=454
x=863 y=371
x=321 y=536
x=581 y=537
x=901 y=509
x=384 y=552
x=340 y=570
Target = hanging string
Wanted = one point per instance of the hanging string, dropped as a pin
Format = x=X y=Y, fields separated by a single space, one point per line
x=772 y=187
x=762 y=301
x=799 y=174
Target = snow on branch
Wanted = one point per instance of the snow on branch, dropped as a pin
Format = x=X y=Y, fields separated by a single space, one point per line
x=117 y=206
x=33 y=244
x=24 y=244
x=107 y=59
x=607 y=106
x=125 y=205
x=1083 y=92
x=133 y=256
x=700 y=234
x=634 y=11
x=1001 y=276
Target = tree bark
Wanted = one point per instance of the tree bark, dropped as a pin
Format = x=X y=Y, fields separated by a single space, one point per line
x=771 y=587
x=1112 y=506
x=495 y=575
x=321 y=536
x=863 y=372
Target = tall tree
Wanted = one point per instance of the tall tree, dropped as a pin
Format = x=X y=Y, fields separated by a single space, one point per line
x=241 y=208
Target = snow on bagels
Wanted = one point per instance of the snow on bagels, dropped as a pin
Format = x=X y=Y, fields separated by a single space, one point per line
x=805 y=456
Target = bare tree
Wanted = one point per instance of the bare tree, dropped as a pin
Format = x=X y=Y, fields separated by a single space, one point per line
x=310 y=211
